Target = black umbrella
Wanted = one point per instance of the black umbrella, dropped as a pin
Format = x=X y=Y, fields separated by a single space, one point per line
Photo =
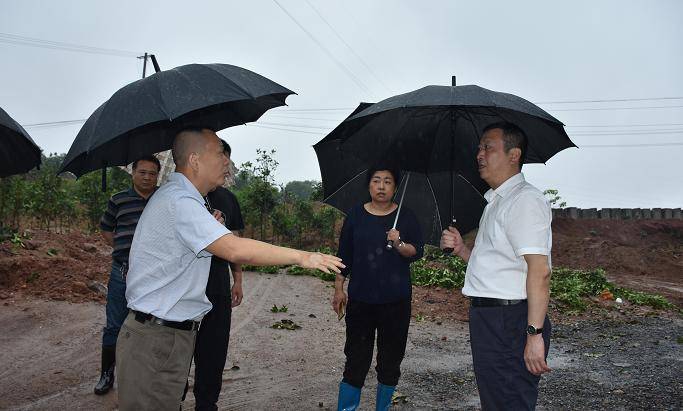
x=143 y=117
x=435 y=131
x=428 y=195
x=18 y=152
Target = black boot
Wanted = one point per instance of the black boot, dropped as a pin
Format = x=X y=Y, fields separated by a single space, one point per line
x=107 y=377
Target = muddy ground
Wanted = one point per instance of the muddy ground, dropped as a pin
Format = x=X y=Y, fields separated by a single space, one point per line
x=621 y=360
x=615 y=356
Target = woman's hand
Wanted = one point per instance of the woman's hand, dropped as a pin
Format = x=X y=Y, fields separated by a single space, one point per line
x=340 y=299
x=394 y=236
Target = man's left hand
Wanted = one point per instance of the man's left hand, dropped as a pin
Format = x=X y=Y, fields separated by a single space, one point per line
x=236 y=294
x=534 y=355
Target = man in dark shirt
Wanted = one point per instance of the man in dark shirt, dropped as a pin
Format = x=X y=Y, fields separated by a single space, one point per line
x=118 y=226
x=211 y=347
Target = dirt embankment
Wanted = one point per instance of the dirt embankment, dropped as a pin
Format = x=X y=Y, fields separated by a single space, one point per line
x=645 y=255
x=64 y=267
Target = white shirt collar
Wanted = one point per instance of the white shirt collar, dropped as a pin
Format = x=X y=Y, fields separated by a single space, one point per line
x=504 y=188
x=181 y=179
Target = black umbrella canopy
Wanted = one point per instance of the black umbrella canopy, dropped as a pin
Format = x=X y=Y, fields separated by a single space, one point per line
x=437 y=128
x=428 y=194
x=18 y=152
x=144 y=116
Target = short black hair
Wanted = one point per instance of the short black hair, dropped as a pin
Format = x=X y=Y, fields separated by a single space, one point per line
x=226 y=147
x=394 y=171
x=151 y=158
x=513 y=137
x=182 y=143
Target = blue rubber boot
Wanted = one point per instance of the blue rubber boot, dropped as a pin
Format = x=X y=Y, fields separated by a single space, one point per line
x=349 y=397
x=384 y=393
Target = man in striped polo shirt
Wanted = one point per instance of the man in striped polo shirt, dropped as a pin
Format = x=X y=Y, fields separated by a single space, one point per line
x=118 y=226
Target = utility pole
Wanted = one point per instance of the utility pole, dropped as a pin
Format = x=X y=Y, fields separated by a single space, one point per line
x=144 y=64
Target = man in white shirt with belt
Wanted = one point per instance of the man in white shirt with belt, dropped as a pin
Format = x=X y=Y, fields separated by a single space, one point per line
x=169 y=262
x=508 y=276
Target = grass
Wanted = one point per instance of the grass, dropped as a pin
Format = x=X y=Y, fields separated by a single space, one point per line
x=571 y=290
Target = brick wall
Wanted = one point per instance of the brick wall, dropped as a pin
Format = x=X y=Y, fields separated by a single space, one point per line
x=618 y=213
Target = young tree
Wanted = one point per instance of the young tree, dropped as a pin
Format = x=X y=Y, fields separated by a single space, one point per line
x=260 y=194
x=554 y=198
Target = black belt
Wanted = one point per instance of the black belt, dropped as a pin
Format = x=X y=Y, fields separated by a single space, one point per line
x=492 y=302
x=188 y=325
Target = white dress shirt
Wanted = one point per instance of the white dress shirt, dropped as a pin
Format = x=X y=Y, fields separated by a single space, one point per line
x=516 y=221
x=169 y=267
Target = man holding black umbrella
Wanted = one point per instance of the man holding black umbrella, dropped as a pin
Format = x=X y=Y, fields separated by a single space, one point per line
x=508 y=276
x=169 y=268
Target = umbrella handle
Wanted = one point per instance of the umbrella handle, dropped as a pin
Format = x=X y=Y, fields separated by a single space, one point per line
x=449 y=251
x=390 y=244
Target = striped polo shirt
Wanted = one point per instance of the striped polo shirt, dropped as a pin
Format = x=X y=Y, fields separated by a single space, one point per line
x=121 y=218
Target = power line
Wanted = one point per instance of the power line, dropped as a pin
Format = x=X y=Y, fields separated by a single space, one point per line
x=630 y=125
x=309 y=118
x=608 y=100
x=339 y=64
x=629 y=133
x=282 y=129
x=347 y=45
x=54 y=123
x=612 y=108
x=629 y=145
x=58 y=45
x=293 y=125
x=312 y=110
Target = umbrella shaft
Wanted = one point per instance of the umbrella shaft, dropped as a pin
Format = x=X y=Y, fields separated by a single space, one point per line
x=400 y=203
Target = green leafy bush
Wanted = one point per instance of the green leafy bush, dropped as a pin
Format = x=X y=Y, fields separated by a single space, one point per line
x=571 y=288
x=267 y=269
x=296 y=270
x=438 y=270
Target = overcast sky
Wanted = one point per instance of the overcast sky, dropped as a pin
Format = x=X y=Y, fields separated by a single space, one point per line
x=335 y=54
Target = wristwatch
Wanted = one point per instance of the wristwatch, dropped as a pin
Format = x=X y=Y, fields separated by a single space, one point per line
x=531 y=330
x=401 y=244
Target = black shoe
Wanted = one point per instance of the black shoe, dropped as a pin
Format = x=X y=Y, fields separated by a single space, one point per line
x=108 y=364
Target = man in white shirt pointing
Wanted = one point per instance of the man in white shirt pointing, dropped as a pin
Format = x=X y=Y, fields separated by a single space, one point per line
x=169 y=261
x=508 y=276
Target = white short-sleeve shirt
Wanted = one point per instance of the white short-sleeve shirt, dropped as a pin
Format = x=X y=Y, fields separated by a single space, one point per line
x=169 y=267
x=516 y=221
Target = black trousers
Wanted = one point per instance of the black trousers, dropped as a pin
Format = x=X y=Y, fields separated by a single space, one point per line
x=390 y=322
x=211 y=351
x=498 y=337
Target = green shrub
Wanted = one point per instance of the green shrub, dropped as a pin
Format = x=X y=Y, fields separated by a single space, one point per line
x=438 y=270
x=296 y=270
x=571 y=288
x=267 y=269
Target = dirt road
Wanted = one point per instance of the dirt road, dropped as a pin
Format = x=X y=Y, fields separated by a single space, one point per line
x=50 y=357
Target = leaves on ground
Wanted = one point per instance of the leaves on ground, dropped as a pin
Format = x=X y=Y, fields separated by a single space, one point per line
x=286 y=325
x=281 y=309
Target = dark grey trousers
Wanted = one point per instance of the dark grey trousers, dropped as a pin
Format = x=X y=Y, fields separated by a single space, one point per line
x=498 y=337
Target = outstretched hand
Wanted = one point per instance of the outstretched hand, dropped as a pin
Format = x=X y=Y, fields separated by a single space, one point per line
x=322 y=262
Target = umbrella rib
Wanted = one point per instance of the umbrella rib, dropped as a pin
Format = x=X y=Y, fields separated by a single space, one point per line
x=345 y=184
x=431 y=190
x=472 y=185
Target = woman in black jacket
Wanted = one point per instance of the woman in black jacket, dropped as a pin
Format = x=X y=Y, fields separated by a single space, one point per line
x=379 y=290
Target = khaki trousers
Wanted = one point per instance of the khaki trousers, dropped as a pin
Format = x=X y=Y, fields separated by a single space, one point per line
x=153 y=363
